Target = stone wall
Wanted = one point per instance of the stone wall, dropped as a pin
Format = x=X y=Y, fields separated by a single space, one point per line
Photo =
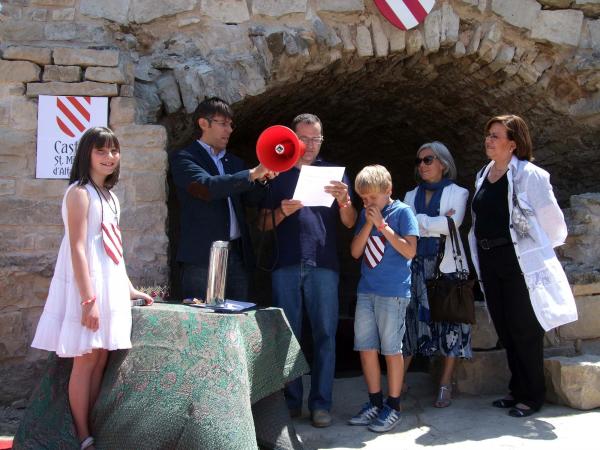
x=375 y=86
x=31 y=227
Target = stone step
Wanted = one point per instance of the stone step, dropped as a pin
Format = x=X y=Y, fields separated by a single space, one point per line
x=483 y=333
x=487 y=372
x=573 y=381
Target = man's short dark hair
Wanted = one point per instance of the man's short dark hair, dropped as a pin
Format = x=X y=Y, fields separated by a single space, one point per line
x=211 y=107
x=308 y=119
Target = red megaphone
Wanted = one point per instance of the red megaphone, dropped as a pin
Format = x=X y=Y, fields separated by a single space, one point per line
x=278 y=148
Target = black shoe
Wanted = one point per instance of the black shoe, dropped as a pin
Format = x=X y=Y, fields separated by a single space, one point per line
x=520 y=412
x=504 y=403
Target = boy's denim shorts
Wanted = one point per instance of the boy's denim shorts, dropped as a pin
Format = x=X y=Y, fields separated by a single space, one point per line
x=379 y=323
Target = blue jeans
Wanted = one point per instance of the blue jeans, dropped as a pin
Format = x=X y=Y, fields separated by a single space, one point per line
x=302 y=288
x=194 y=279
x=379 y=323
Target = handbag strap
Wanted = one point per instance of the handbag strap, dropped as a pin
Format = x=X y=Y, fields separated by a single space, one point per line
x=456 y=253
x=454 y=239
x=440 y=256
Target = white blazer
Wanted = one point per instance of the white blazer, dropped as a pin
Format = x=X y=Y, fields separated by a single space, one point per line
x=549 y=289
x=453 y=197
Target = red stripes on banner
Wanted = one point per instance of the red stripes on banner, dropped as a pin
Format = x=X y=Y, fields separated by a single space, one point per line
x=73 y=115
x=64 y=128
x=74 y=120
x=416 y=9
x=405 y=14
x=84 y=112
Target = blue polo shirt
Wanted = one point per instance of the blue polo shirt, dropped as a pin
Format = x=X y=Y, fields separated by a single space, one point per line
x=309 y=235
x=391 y=277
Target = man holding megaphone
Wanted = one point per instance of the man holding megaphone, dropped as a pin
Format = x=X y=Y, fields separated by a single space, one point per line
x=306 y=274
x=213 y=188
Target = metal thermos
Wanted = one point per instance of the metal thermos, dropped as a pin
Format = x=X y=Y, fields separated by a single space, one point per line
x=217 y=273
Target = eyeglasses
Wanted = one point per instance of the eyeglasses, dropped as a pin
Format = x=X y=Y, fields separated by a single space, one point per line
x=428 y=160
x=315 y=140
x=222 y=123
x=495 y=137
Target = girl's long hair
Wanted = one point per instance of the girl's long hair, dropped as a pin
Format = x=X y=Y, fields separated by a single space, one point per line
x=96 y=137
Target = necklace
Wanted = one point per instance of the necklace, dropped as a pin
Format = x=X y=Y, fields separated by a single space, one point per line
x=113 y=207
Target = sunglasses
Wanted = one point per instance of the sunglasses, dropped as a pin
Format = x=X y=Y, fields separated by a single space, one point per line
x=428 y=160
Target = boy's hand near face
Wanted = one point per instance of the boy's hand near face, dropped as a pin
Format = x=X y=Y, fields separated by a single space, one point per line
x=373 y=215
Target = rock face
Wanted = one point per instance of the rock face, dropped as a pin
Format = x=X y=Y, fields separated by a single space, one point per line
x=380 y=91
x=574 y=382
x=85 y=57
x=520 y=13
x=558 y=27
x=583 y=221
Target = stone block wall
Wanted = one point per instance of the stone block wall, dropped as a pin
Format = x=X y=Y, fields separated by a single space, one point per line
x=581 y=261
x=31 y=227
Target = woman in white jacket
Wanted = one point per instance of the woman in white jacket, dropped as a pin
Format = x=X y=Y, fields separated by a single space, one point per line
x=516 y=225
x=436 y=197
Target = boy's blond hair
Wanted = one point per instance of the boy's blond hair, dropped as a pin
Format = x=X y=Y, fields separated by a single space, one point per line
x=373 y=179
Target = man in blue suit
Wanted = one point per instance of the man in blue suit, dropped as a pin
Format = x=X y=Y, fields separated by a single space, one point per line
x=213 y=188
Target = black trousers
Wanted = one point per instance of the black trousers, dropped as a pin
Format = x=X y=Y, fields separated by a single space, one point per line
x=518 y=329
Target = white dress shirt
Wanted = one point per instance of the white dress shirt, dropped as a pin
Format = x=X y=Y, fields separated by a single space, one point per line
x=234 y=228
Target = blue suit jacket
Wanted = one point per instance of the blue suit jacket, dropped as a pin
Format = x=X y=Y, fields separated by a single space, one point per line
x=204 y=210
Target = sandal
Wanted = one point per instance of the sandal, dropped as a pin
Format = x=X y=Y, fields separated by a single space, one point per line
x=444 y=396
x=87 y=443
x=504 y=403
x=518 y=411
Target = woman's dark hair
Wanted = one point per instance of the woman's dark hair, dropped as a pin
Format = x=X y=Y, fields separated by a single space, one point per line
x=517 y=131
x=96 y=137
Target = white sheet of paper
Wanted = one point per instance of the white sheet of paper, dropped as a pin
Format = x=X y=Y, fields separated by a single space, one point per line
x=311 y=184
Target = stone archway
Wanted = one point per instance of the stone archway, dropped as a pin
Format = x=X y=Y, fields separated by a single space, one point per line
x=382 y=92
x=376 y=86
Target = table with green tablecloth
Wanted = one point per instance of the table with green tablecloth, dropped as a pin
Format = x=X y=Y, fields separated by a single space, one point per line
x=189 y=382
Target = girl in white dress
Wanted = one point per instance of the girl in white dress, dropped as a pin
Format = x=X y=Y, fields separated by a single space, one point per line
x=88 y=311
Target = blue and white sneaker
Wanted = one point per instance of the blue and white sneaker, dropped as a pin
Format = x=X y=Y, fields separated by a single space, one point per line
x=387 y=419
x=364 y=417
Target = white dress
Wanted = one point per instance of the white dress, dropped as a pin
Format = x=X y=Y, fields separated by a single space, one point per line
x=59 y=329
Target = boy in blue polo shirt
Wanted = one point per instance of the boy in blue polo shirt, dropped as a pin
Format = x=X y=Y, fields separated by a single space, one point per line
x=386 y=239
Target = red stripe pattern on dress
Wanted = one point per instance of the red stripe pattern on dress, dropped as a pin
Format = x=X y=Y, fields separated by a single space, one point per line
x=111 y=238
x=374 y=251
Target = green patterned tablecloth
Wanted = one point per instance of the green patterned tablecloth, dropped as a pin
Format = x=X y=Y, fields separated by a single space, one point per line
x=188 y=383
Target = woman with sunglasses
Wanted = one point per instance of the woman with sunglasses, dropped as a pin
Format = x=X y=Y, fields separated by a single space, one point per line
x=435 y=198
x=516 y=225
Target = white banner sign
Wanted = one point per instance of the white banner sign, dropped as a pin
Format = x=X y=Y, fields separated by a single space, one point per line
x=61 y=122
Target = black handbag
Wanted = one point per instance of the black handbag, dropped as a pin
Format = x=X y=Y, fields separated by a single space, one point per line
x=451 y=296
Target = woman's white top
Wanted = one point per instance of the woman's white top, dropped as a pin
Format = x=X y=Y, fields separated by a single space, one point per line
x=549 y=289
x=453 y=197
